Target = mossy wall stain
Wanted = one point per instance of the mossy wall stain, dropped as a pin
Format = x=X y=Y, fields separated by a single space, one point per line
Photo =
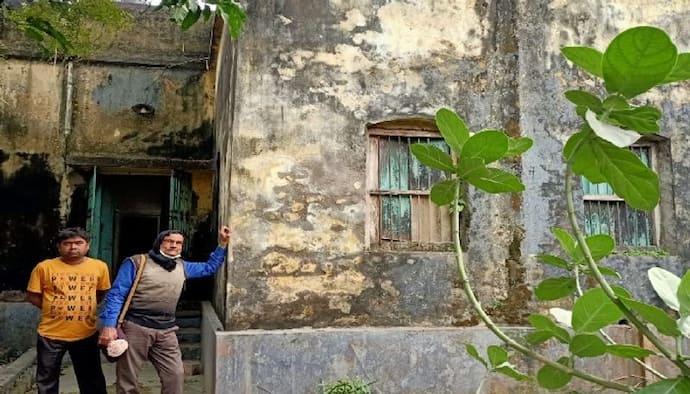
x=29 y=219
x=180 y=126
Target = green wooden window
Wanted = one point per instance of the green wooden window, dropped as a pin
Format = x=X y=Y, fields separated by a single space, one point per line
x=606 y=213
x=399 y=190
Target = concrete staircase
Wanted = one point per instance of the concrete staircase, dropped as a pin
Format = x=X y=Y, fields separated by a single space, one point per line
x=189 y=335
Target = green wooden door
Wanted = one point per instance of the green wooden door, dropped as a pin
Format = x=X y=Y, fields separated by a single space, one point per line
x=99 y=219
x=180 y=204
x=93 y=214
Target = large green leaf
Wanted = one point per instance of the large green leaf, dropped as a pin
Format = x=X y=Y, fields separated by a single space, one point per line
x=587 y=58
x=488 y=145
x=443 y=193
x=615 y=102
x=629 y=178
x=600 y=245
x=554 y=261
x=628 y=351
x=584 y=99
x=604 y=270
x=666 y=285
x=452 y=128
x=593 y=311
x=637 y=60
x=433 y=157
x=517 y=146
x=471 y=166
x=641 y=119
x=555 y=288
x=668 y=386
x=551 y=378
x=544 y=323
x=684 y=295
x=537 y=337
x=587 y=345
x=496 y=181
x=568 y=243
x=654 y=315
x=681 y=71
x=472 y=351
x=579 y=150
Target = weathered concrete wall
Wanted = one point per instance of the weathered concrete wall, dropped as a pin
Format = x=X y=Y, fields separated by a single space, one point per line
x=297 y=141
x=296 y=94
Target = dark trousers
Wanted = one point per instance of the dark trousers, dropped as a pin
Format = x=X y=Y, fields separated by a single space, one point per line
x=86 y=359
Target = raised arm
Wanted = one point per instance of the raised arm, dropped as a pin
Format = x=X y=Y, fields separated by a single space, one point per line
x=200 y=269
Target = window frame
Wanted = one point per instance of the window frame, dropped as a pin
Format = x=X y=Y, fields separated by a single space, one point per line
x=373 y=236
x=655 y=215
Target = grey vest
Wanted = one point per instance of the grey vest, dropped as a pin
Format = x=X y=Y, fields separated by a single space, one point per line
x=155 y=299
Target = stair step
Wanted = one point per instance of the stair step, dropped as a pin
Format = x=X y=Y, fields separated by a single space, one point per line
x=188 y=322
x=190 y=351
x=189 y=334
x=192 y=367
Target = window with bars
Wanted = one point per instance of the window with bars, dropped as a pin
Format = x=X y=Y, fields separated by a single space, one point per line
x=401 y=213
x=606 y=213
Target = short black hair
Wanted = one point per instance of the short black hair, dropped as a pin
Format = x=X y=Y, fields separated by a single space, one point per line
x=72 y=232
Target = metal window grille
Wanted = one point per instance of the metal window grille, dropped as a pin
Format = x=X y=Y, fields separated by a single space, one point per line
x=606 y=213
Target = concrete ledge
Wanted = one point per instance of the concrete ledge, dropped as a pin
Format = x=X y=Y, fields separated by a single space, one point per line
x=399 y=359
x=18 y=376
x=18 y=322
x=210 y=325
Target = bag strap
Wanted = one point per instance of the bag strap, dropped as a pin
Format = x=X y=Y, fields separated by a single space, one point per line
x=140 y=270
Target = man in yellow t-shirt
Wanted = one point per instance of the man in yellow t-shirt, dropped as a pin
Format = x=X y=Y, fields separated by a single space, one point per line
x=67 y=289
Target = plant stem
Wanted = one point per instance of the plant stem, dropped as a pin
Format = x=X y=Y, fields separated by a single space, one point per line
x=632 y=318
x=464 y=280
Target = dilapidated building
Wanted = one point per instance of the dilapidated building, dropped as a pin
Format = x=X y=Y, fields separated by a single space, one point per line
x=121 y=143
x=299 y=130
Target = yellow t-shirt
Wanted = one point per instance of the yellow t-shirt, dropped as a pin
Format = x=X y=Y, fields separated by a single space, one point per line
x=69 y=305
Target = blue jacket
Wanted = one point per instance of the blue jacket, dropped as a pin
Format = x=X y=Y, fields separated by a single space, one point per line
x=125 y=277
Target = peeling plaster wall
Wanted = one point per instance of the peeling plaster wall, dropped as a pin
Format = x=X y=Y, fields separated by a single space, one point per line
x=300 y=87
x=310 y=77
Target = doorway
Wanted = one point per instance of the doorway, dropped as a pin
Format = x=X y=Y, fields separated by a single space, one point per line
x=134 y=233
x=128 y=208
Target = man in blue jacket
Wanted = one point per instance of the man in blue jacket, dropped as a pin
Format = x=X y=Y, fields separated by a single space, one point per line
x=149 y=323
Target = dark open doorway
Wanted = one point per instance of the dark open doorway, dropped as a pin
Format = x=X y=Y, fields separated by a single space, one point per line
x=134 y=234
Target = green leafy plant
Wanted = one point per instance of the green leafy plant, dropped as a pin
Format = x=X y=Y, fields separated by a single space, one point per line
x=653 y=252
x=347 y=386
x=635 y=61
x=79 y=28
x=70 y=28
